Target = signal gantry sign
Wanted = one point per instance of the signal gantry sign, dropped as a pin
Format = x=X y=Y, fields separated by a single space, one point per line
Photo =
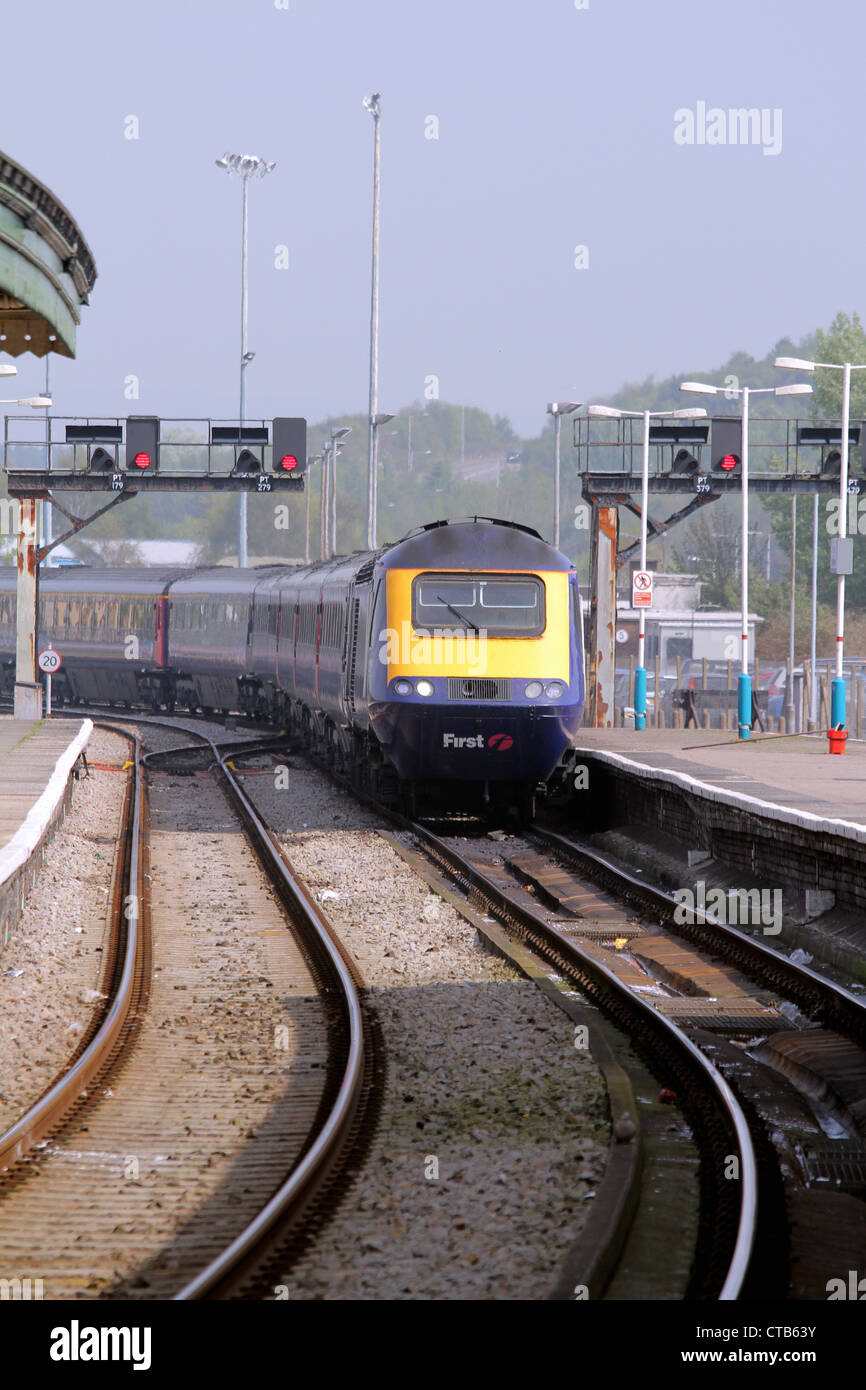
x=145 y=452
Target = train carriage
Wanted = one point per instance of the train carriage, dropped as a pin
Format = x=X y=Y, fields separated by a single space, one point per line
x=110 y=626
x=448 y=664
x=209 y=638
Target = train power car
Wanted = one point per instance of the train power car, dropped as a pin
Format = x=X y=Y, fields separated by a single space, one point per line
x=445 y=669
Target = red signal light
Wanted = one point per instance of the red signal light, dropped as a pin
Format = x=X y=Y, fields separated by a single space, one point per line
x=728 y=463
x=288 y=462
x=142 y=460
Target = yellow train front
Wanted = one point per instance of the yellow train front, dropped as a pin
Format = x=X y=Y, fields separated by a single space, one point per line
x=476 y=666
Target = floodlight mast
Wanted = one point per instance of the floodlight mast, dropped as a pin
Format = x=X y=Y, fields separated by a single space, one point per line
x=246 y=167
x=371 y=104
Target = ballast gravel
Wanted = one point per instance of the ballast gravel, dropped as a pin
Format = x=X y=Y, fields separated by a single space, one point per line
x=51 y=966
x=493 y=1132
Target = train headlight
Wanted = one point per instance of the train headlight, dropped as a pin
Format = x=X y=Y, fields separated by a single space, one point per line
x=403 y=687
x=533 y=690
x=555 y=690
x=424 y=688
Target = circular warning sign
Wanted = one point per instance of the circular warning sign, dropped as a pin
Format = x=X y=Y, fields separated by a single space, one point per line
x=49 y=661
x=641 y=589
x=621 y=634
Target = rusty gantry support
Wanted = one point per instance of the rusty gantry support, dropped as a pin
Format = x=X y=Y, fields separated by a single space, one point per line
x=28 y=691
x=602 y=616
x=28 y=688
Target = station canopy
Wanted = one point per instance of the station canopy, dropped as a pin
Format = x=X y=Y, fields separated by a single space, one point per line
x=46 y=267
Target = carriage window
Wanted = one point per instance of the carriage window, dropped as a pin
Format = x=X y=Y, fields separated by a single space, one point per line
x=502 y=605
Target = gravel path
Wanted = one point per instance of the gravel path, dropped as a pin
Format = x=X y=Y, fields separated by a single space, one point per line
x=493 y=1133
x=51 y=965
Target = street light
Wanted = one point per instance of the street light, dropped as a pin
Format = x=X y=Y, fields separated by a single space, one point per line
x=34 y=402
x=246 y=166
x=377 y=421
x=8 y=369
x=557 y=409
x=798 y=364
x=335 y=448
x=371 y=104
x=744 y=683
x=313 y=458
x=611 y=413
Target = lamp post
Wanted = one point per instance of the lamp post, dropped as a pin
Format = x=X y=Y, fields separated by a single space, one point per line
x=765 y=535
x=796 y=364
x=371 y=104
x=744 y=681
x=691 y=413
x=376 y=422
x=813 y=641
x=336 y=445
x=313 y=458
x=557 y=409
x=246 y=166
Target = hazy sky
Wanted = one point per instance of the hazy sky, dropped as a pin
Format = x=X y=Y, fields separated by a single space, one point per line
x=556 y=130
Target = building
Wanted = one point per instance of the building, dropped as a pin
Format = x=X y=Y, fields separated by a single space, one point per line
x=676 y=626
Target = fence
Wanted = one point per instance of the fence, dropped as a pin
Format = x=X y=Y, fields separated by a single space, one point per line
x=715 y=696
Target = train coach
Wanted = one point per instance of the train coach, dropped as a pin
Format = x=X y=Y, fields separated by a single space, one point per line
x=445 y=669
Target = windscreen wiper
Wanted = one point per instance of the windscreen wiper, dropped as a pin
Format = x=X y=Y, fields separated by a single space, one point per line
x=456 y=611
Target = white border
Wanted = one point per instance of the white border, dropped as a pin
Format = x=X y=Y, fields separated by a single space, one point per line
x=30 y=833
x=772 y=810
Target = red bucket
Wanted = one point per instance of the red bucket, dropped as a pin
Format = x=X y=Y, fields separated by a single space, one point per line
x=837 y=739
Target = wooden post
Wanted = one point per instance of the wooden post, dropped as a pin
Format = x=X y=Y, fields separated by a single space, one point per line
x=859 y=708
x=823 y=713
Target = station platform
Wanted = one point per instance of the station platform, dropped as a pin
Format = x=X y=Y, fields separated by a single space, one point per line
x=793 y=779
x=37 y=758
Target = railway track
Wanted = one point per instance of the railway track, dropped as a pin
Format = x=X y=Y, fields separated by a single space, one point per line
x=793 y=1172
x=726 y=989
x=88 y=1203
x=764 y=1161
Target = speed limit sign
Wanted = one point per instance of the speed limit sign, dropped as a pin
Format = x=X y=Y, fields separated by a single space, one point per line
x=49 y=661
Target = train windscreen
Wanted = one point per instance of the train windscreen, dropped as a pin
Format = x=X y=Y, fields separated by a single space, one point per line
x=502 y=605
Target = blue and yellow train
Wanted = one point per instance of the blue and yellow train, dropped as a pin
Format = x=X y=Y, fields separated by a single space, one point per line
x=446 y=668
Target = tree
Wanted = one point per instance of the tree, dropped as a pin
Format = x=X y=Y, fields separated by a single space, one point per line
x=844 y=341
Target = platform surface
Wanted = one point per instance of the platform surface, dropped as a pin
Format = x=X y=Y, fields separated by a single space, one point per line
x=797 y=774
x=29 y=753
